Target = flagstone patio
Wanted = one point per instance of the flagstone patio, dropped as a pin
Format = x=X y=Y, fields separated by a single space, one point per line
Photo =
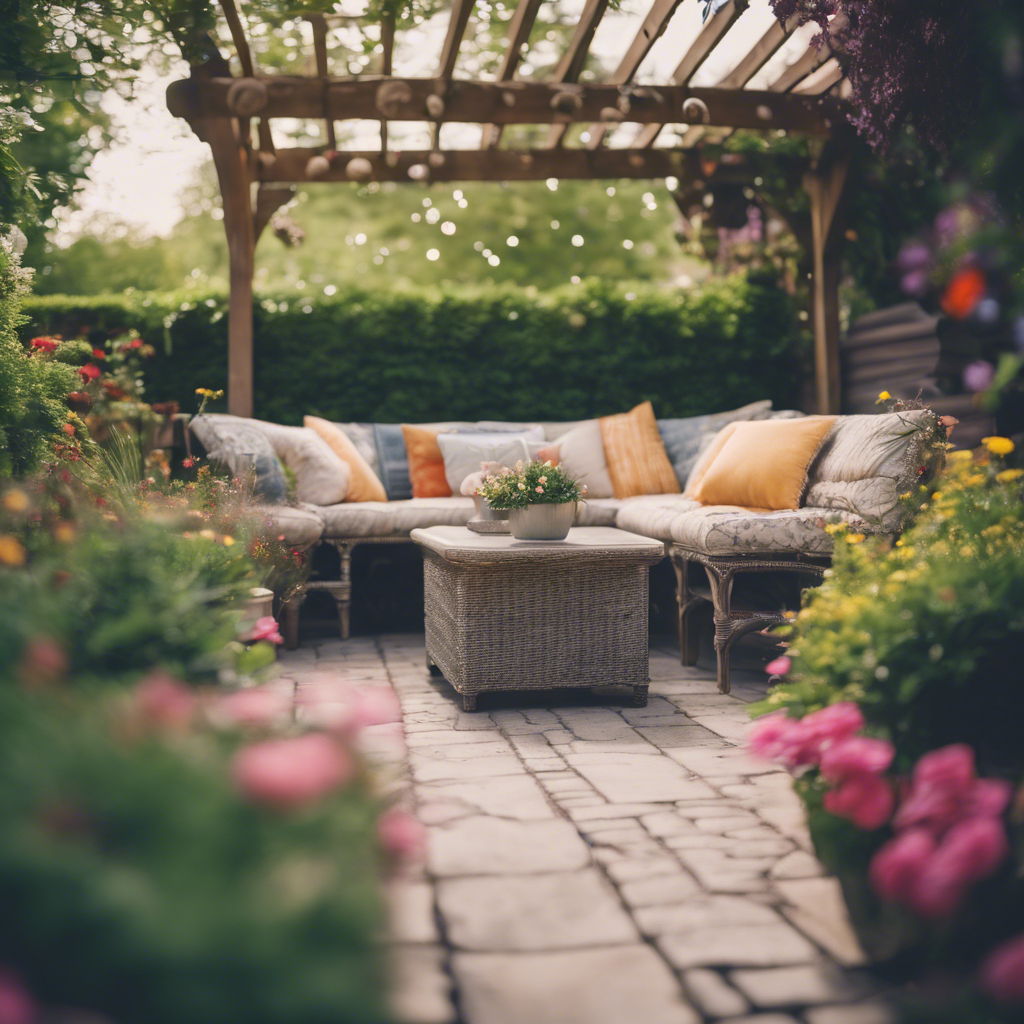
x=592 y=863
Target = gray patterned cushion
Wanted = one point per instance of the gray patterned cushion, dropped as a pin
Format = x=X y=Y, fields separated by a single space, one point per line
x=724 y=530
x=240 y=445
x=652 y=515
x=867 y=462
x=684 y=437
x=321 y=478
x=361 y=435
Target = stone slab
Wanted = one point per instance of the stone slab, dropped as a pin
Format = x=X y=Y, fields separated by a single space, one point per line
x=495 y=846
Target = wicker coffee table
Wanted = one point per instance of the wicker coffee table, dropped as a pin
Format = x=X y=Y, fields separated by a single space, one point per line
x=504 y=614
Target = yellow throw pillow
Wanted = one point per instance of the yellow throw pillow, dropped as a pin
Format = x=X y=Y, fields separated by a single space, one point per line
x=426 y=464
x=635 y=453
x=363 y=484
x=761 y=464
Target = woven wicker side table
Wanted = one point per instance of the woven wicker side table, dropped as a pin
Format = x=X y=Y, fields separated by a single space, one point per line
x=504 y=614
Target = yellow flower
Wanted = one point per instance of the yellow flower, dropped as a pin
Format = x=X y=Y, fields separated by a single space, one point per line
x=883 y=396
x=960 y=456
x=207 y=393
x=1009 y=475
x=207 y=535
x=936 y=495
x=11 y=551
x=854 y=538
x=834 y=528
x=64 y=532
x=906 y=495
x=17 y=501
x=974 y=479
x=227 y=540
x=998 y=445
x=967 y=551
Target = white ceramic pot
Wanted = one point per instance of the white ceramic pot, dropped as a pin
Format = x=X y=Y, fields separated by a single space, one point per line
x=542 y=522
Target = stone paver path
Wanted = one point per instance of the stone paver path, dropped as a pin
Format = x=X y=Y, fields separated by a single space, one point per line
x=592 y=863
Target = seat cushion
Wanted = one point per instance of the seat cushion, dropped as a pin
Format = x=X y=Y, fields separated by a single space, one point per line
x=597 y=512
x=725 y=530
x=652 y=515
x=298 y=527
x=419 y=513
x=359 y=519
x=867 y=462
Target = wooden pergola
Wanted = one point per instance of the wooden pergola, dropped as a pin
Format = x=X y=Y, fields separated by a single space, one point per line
x=257 y=178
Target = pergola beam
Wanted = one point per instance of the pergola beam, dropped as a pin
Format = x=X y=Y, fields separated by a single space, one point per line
x=517 y=37
x=461 y=10
x=406 y=99
x=289 y=166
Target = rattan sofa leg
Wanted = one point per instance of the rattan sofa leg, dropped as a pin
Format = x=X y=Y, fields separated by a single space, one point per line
x=432 y=666
x=686 y=601
x=469 y=702
x=343 y=595
x=640 y=696
x=721 y=595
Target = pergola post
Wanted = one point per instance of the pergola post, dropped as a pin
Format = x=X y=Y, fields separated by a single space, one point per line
x=231 y=159
x=824 y=185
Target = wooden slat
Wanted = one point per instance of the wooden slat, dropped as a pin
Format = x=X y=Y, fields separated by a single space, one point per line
x=461 y=10
x=319 y=26
x=387 y=42
x=650 y=31
x=757 y=56
x=518 y=35
x=820 y=81
x=483 y=102
x=700 y=49
x=571 y=64
x=505 y=165
x=248 y=67
x=810 y=59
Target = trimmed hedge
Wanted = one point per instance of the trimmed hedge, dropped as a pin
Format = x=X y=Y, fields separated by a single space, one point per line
x=513 y=354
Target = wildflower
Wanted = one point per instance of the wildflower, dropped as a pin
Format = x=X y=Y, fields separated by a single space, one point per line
x=43 y=661
x=15 y=500
x=960 y=456
x=1007 y=476
x=539 y=490
x=11 y=551
x=779 y=667
x=207 y=534
x=858 y=755
x=64 y=532
x=542 y=480
x=164 y=700
x=89 y=371
x=865 y=799
x=255 y=707
x=998 y=445
x=906 y=495
x=98 y=353
x=44 y=344
x=135 y=343
x=963 y=292
x=69 y=429
x=883 y=396
x=227 y=540
x=288 y=773
x=854 y=538
x=966 y=551
x=188 y=463
x=207 y=393
x=979 y=375
x=522 y=487
x=265 y=628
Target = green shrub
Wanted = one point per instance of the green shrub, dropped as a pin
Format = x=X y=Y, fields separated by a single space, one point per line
x=33 y=391
x=502 y=353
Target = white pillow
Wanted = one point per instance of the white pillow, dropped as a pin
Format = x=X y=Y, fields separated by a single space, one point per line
x=581 y=454
x=463 y=453
x=321 y=478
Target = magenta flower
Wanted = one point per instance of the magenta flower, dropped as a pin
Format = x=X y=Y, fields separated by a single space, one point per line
x=265 y=628
x=866 y=800
x=289 y=773
x=401 y=834
x=164 y=700
x=824 y=728
x=256 y=707
x=1002 y=973
x=857 y=755
x=769 y=736
x=16 y=1005
x=779 y=667
x=377 y=705
x=897 y=865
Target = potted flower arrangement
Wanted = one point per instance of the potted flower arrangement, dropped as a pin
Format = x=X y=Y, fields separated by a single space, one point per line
x=541 y=499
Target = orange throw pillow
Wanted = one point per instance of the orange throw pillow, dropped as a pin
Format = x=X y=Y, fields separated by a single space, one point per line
x=426 y=464
x=363 y=484
x=635 y=453
x=762 y=464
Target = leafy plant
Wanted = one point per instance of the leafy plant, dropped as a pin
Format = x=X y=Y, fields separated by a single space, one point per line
x=530 y=483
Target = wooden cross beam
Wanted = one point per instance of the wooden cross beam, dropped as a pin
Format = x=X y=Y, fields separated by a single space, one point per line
x=414 y=99
x=290 y=165
x=516 y=39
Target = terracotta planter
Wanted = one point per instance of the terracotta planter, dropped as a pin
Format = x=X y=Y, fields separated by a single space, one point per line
x=542 y=522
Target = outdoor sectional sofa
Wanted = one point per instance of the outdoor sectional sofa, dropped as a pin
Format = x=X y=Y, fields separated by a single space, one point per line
x=861 y=468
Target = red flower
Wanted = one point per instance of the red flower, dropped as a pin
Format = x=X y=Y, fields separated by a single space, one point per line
x=135 y=343
x=98 y=353
x=189 y=462
x=89 y=371
x=44 y=344
x=963 y=292
x=79 y=400
x=69 y=429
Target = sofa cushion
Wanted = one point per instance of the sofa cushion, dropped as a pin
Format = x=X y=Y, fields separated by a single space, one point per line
x=652 y=515
x=361 y=435
x=581 y=455
x=358 y=519
x=426 y=463
x=363 y=484
x=761 y=465
x=419 y=513
x=724 y=530
x=464 y=453
x=637 y=462
x=298 y=527
x=321 y=478
x=597 y=512
x=246 y=450
x=867 y=462
x=684 y=438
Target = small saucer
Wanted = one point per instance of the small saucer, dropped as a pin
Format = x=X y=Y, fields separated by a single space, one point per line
x=478 y=525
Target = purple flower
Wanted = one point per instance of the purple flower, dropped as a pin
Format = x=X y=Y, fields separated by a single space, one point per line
x=978 y=376
x=914 y=256
x=915 y=283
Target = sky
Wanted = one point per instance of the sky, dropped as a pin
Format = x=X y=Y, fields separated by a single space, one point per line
x=137 y=183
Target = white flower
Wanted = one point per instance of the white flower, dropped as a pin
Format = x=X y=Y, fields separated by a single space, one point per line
x=522 y=487
x=548 y=463
x=540 y=490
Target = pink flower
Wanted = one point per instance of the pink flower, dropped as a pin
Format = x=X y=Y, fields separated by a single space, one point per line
x=821 y=729
x=866 y=800
x=896 y=866
x=377 y=705
x=256 y=707
x=779 y=667
x=164 y=700
x=43 y=662
x=89 y=371
x=401 y=834
x=289 y=773
x=951 y=768
x=769 y=736
x=973 y=849
x=988 y=798
x=16 y=1005
x=857 y=755
x=1002 y=973
x=264 y=628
